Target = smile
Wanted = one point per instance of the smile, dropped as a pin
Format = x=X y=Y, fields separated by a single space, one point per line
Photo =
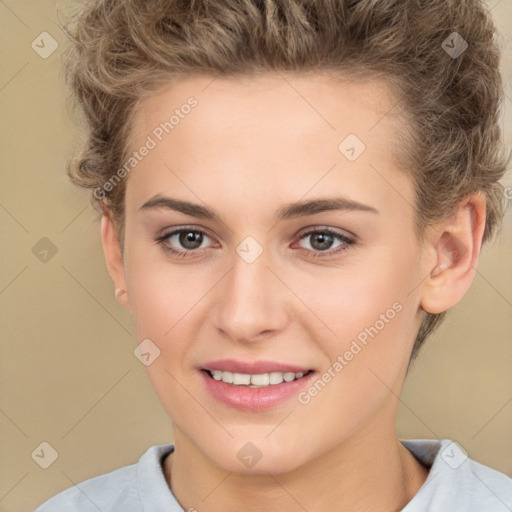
x=255 y=380
x=254 y=386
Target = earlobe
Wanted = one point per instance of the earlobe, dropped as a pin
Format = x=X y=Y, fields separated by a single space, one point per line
x=455 y=248
x=114 y=259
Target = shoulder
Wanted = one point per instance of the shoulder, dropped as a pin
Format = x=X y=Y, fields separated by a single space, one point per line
x=114 y=491
x=457 y=482
x=102 y=492
x=487 y=486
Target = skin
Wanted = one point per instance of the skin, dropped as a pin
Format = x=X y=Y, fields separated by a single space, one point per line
x=251 y=146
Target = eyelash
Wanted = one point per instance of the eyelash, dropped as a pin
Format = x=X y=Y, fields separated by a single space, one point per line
x=346 y=242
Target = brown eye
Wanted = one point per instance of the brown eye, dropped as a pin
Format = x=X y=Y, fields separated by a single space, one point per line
x=190 y=239
x=325 y=242
x=184 y=241
x=321 y=241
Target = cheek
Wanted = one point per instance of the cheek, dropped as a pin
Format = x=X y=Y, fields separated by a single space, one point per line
x=162 y=294
x=165 y=301
x=355 y=302
x=370 y=310
x=370 y=315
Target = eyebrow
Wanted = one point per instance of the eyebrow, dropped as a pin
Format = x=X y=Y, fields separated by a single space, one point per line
x=289 y=211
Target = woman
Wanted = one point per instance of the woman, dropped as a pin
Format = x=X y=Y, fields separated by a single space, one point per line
x=292 y=194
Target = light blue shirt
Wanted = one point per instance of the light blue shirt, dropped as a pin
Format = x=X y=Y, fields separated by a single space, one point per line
x=455 y=483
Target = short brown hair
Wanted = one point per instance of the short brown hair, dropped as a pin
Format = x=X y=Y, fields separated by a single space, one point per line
x=121 y=49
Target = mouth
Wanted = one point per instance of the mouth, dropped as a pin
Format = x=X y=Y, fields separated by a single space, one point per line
x=258 y=380
x=255 y=386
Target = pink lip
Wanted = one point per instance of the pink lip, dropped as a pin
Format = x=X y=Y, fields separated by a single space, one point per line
x=253 y=368
x=253 y=399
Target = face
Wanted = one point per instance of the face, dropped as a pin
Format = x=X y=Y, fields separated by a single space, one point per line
x=264 y=243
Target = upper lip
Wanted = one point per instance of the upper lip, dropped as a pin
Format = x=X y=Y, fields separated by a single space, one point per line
x=253 y=367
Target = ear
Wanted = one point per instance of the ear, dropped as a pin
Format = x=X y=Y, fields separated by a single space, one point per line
x=114 y=259
x=454 y=249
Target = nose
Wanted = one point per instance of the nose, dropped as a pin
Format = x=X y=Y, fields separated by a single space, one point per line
x=252 y=304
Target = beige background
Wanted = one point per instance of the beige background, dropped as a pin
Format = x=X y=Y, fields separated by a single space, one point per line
x=68 y=373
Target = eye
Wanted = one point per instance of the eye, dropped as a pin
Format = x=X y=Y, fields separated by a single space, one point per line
x=188 y=242
x=183 y=241
x=322 y=240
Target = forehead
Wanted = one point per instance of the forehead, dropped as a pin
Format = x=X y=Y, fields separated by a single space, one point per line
x=279 y=130
x=266 y=102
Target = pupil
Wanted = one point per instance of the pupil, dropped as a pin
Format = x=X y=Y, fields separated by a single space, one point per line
x=324 y=240
x=191 y=240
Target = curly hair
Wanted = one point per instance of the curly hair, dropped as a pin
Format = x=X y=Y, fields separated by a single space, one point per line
x=122 y=51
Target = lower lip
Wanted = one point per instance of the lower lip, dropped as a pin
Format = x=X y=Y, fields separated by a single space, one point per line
x=254 y=399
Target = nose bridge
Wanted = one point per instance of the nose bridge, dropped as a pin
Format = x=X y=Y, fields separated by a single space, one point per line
x=250 y=301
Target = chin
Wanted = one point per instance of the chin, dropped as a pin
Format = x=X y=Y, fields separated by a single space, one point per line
x=256 y=457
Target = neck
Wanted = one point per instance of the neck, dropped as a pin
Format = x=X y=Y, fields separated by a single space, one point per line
x=366 y=472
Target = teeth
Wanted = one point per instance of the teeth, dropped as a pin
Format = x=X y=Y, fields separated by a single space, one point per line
x=260 y=380
x=227 y=377
x=275 y=378
x=241 y=378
